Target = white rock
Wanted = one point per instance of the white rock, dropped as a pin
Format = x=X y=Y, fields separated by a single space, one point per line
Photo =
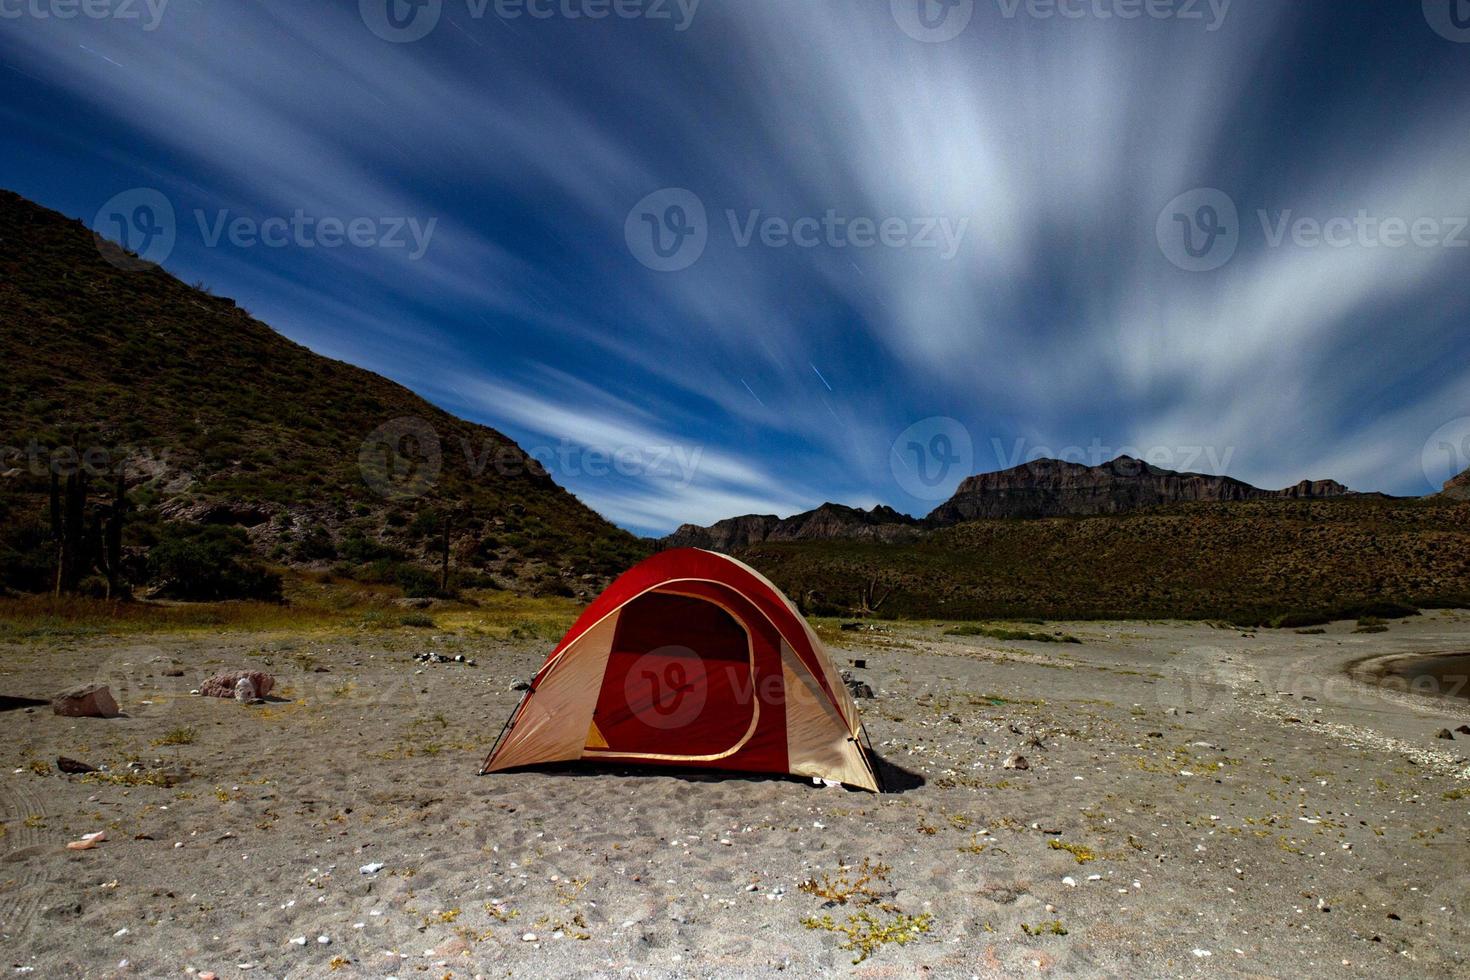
x=299 y=941
x=529 y=937
x=324 y=940
x=1201 y=953
x=1069 y=881
x=372 y=869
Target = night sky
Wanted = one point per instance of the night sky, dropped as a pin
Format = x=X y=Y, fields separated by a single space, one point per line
x=776 y=252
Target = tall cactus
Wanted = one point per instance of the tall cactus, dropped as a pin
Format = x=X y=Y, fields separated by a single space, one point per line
x=86 y=537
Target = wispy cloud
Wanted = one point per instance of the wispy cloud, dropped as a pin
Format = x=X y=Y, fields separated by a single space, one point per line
x=1059 y=320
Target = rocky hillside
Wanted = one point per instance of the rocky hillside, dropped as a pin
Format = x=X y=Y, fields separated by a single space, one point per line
x=1458 y=488
x=1246 y=562
x=827 y=522
x=1054 y=488
x=215 y=419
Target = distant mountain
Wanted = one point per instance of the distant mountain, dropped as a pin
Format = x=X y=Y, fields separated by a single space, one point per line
x=1045 y=488
x=216 y=419
x=1055 y=488
x=1458 y=488
x=827 y=522
x=1244 y=561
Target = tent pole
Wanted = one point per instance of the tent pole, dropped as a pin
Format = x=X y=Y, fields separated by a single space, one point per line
x=505 y=728
x=870 y=756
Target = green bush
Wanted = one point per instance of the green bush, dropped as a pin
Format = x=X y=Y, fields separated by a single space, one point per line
x=210 y=563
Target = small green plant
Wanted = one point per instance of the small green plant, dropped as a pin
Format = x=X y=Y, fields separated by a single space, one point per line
x=1052 y=928
x=1082 y=853
x=176 y=736
x=867 y=933
x=850 y=883
x=417 y=621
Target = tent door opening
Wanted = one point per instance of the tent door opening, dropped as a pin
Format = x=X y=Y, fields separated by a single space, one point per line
x=680 y=666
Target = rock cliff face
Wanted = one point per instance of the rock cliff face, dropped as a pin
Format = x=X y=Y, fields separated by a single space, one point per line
x=827 y=522
x=1045 y=488
x=1458 y=488
x=1054 y=488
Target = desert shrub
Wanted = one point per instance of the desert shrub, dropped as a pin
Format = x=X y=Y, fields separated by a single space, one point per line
x=28 y=560
x=315 y=545
x=210 y=563
x=415 y=582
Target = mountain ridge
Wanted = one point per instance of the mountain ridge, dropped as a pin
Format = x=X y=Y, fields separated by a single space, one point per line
x=1037 y=489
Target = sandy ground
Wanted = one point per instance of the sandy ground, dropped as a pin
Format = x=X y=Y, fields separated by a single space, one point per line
x=1198 y=802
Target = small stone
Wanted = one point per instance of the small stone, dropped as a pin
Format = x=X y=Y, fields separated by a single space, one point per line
x=529 y=937
x=1014 y=761
x=95 y=701
x=371 y=869
x=1069 y=881
x=299 y=941
x=1445 y=734
x=324 y=940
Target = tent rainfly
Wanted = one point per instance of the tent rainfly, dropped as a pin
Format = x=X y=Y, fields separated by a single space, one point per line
x=694 y=660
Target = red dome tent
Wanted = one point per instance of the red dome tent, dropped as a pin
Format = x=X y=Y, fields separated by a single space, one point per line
x=690 y=659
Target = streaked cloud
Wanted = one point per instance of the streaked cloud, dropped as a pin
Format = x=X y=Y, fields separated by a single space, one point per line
x=1060 y=321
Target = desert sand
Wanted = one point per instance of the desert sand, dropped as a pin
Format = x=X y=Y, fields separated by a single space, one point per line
x=1198 y=802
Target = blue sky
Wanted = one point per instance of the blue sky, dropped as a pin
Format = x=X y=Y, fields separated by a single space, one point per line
x=887 y=256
